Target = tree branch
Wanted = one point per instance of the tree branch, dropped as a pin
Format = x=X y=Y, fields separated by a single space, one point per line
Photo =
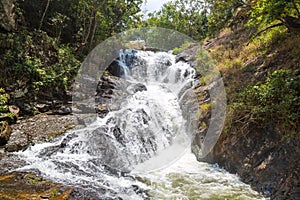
x=44 y=14
x=265 y=29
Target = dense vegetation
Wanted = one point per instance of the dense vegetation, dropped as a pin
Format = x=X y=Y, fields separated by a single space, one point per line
x=44 y=42
x=253 y=32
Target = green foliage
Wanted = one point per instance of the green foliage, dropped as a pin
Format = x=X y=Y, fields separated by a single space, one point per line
x=205 y=107
x=276 y=101
x=178 y=50
x=4 y=110
x=206 y=67
x=36 y=63
x=185 y=16
x=3 y=124
x=267 y=12
x=84 y=23
x=220 y=14
x=3 y=101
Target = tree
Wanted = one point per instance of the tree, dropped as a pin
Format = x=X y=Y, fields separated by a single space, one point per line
x=43 y=16
x=274 y=13
x=84 y=23
x=220 y=13
x=186 y=16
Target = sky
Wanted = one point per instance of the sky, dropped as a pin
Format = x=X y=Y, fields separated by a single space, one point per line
x=153 y=5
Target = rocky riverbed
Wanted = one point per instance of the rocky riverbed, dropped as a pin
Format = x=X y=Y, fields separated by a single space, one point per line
x=30 y=185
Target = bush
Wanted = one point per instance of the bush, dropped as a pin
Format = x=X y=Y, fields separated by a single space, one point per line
x=4 y=110
x=179 y=50
x=277 y=102
x=35 y=62
x=3 y=101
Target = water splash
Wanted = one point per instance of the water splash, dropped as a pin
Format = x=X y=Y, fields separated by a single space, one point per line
x=148 y=132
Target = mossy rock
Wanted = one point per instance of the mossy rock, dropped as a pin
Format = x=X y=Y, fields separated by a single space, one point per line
x=27 y=186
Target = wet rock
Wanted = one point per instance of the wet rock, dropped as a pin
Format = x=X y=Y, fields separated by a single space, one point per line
x=118 y=135
x=102 y=109
x=139 y=190
x=182 y=57
x=154 y=49
x=18 y=141
x=5 y=132
x=115 y=69
x=84 y=108
x=139 y=87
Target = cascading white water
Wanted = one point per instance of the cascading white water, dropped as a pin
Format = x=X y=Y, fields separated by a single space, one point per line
x=147 y=133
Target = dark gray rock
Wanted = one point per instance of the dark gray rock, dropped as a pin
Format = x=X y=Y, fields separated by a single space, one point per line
x=139 y=87
x=115 y=69
x=64 y=110
x=18 y=141
x=182 y=57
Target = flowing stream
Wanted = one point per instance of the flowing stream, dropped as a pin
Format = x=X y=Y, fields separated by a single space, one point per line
x=142 y=149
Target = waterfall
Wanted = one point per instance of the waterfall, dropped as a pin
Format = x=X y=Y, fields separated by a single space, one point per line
x=148 y=132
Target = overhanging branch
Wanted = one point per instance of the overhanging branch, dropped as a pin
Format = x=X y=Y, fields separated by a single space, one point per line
x=265 y=29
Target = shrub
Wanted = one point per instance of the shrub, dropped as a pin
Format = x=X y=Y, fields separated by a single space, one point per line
x=178 y=50
x=38 y=63
x=4 y=110
x=276 y=101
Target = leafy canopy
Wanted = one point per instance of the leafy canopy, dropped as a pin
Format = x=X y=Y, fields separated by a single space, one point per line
x=186 y=16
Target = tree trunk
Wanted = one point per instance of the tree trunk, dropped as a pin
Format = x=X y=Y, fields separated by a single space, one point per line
x=44 y=14
x=94 y=30
x=89 y=29
x=292 y=23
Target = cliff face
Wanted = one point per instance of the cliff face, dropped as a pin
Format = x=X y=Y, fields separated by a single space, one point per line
x=263 y=155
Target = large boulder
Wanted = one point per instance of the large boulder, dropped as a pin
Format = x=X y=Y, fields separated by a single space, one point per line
x=115 y=69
